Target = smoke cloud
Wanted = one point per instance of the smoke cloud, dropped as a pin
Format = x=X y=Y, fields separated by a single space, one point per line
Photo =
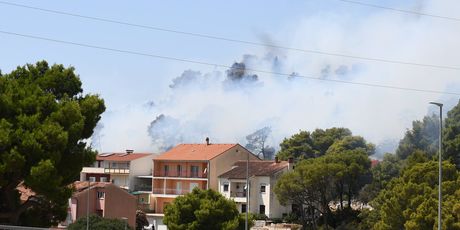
x=227 y=105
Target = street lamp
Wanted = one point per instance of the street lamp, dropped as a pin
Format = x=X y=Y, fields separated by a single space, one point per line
x=440 y=162
x=87 y=204
x=247 y=192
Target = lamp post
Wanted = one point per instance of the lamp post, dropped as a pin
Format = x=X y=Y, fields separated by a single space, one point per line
x=440 y=163
x=247 y=192
x=87 y=204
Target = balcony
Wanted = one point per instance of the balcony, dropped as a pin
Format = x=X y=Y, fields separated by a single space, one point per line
x=181 y=174
x=170 y=191
x=146 y=208
x=143 y=187
x=116 y=170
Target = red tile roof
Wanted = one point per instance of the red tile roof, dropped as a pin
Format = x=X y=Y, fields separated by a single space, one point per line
x=200 y=152
x=120 y=156
x=374 y=162
x=256 y=168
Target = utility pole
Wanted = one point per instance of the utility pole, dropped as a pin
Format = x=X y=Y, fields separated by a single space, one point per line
x=440 y=165
x=247 y=192
x=87 y=204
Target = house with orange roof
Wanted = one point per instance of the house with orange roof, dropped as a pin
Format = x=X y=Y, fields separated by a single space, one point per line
x=263 y=176
x=188 y=166
x=126 y=170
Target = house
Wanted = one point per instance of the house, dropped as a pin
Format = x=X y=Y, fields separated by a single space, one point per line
x=122 y=169
x=263 y=176
x=104 y=199
x=186 y=166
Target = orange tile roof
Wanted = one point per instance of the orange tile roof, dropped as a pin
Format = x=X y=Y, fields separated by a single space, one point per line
x=121 y=156
x=199 y=152
x=256 y=168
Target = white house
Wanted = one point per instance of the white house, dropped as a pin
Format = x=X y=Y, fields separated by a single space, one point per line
x=122 y=169
x=263 y=176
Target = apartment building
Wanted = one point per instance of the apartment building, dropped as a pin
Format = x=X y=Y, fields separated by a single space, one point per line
x=122 y=169
x=263 y=176
x=103 y=199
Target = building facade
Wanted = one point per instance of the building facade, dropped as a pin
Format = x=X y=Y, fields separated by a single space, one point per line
x=103 y=199
x=263 y=176
x=188 y=166
x=122 y=169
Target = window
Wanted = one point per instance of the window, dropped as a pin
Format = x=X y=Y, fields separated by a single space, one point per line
x=194 y=171
x=226 y=187
x=166 y=170
x=261 y=209
x=103 y=179
x=179 y=170
x=92 y=179
x=262 y=188
x=243 y=208
x=100 y=195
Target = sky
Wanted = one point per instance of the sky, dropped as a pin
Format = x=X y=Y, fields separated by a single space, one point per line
x=190 y=101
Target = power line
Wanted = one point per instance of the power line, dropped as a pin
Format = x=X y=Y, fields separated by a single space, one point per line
x=400 y=10
x=221 y=65
x=327 y=53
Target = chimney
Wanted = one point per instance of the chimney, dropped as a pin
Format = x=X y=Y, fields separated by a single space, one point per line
x=129 y=151
x=277 y=160
x=207 y=140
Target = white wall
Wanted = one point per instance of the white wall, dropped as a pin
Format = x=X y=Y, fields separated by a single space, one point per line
x=140 y=167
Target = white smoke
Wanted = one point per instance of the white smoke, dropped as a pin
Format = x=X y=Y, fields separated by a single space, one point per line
x=202 y=104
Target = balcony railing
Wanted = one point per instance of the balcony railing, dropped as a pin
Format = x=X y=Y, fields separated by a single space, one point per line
x=145 y=208
x=117 y=170
x=143 y=187
x=170 y=191
x=186 y=174
x=237 y=194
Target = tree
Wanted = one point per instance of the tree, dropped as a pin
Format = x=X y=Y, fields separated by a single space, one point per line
x=424 y=136
x=410 y=201
x=309 y=185
x=45 y=120
x=257 y=143
x=97 y=222
x=451 y=139
x=202 y=209
x=354 y=171
x=304 y=144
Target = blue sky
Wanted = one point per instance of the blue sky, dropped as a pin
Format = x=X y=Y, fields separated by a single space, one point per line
x=129 y=82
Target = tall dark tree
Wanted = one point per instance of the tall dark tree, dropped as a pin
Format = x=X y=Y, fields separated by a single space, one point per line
x=451 y=139
x=305 y=145
x=423 y=136
x=257 y=143
x=45 y=120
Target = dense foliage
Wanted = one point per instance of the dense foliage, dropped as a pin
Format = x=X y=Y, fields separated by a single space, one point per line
x=97 y=222
x=315 y=183
x=44 y=121
x=202 y=209
x=305 y=145
x=410 y=201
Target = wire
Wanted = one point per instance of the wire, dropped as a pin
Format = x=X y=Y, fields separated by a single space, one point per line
x=400 y=10
x=221 y=65
x=327 y=53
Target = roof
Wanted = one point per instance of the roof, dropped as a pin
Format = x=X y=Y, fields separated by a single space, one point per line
x=256 y=168
x=81 y=186
x=121 y=156
x=199 y=152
